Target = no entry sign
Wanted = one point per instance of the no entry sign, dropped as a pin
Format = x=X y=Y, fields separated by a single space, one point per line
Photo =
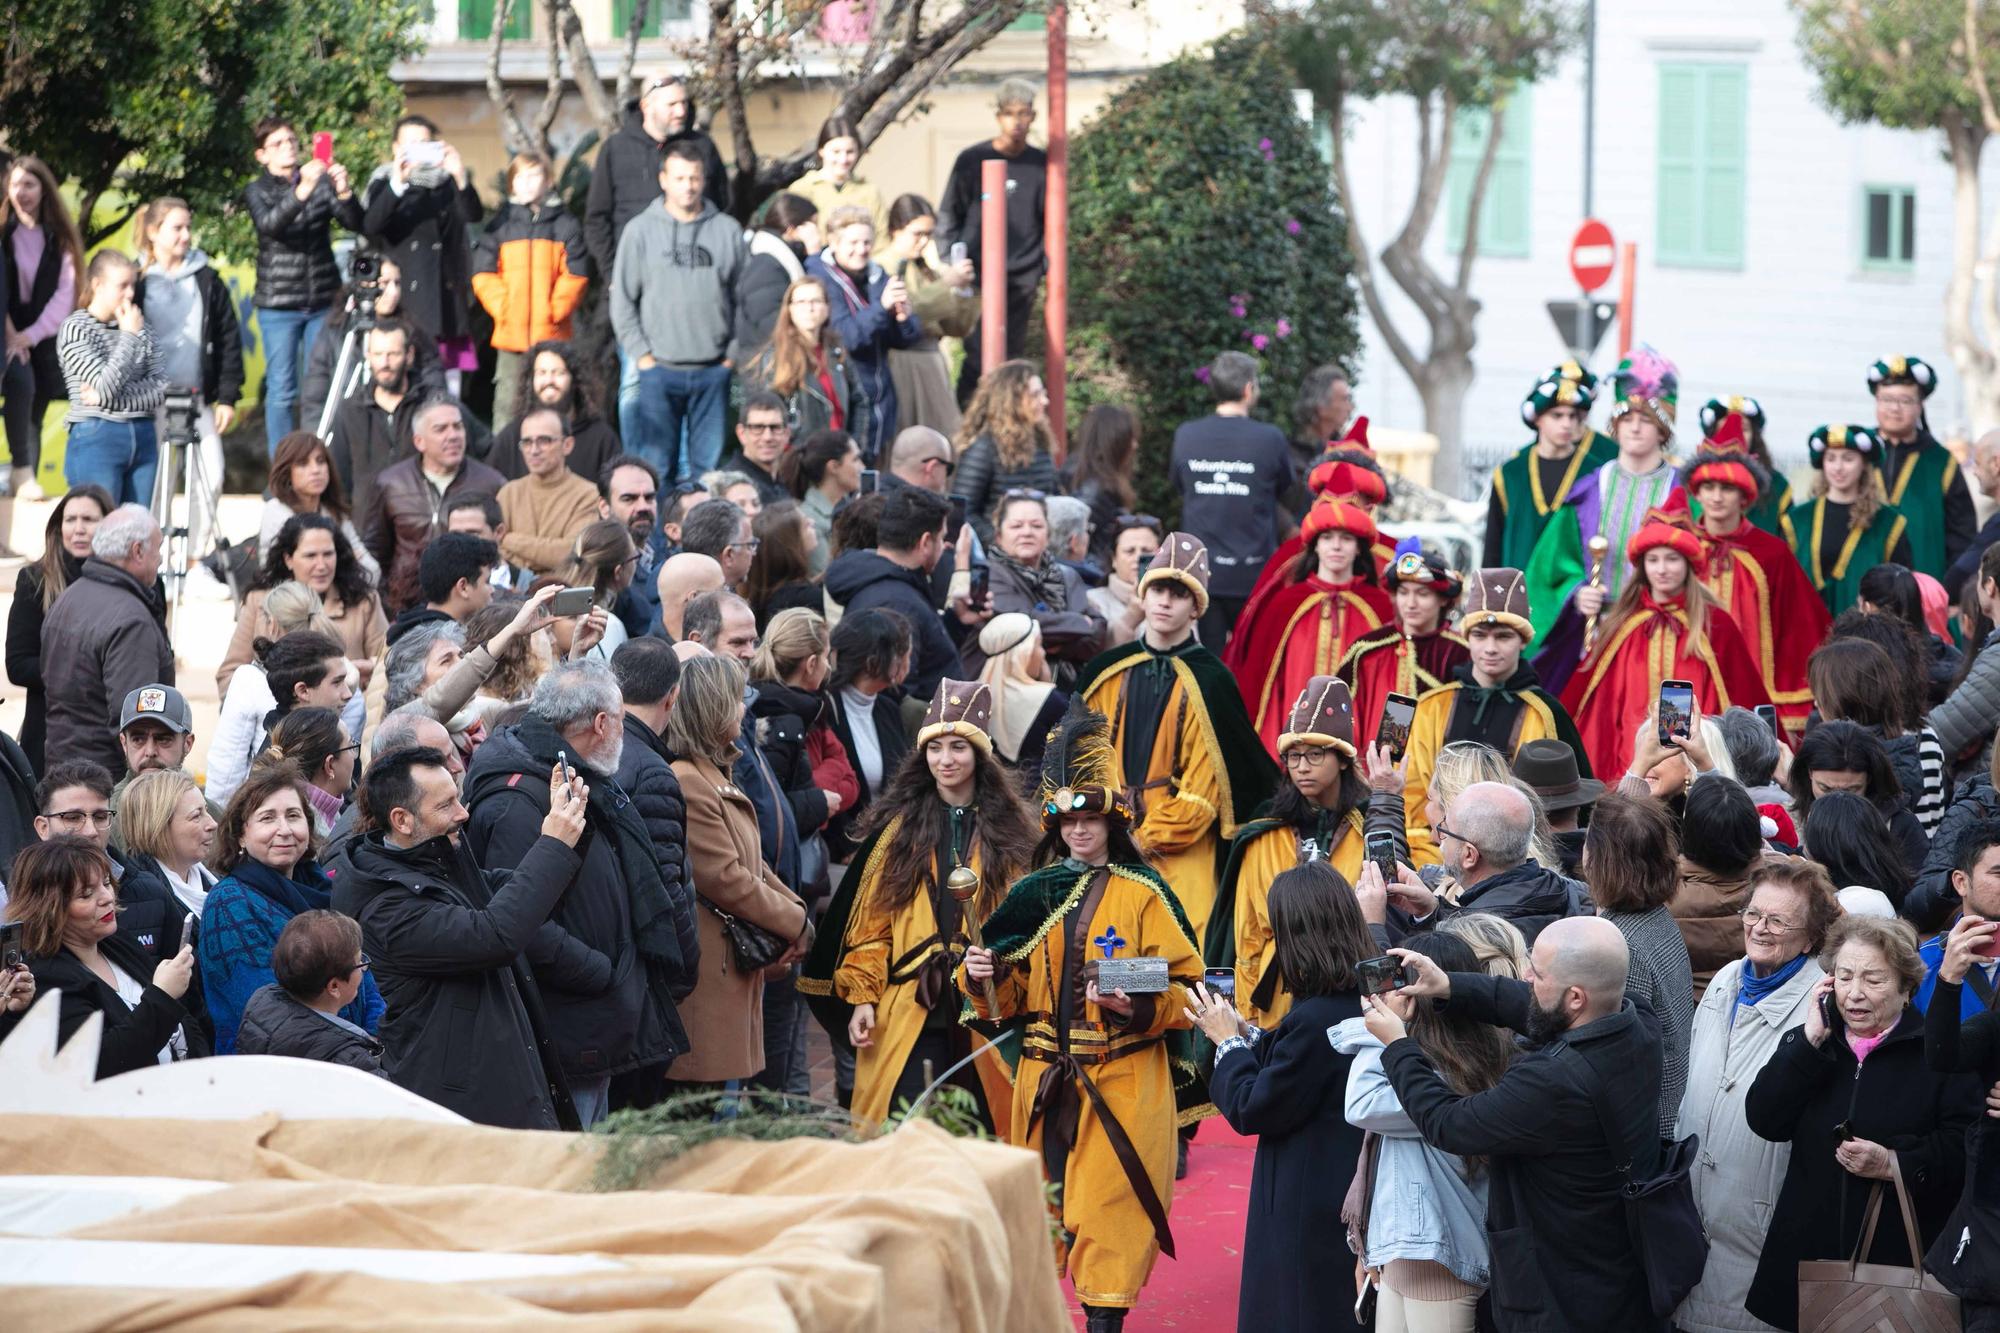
x=1592 y=255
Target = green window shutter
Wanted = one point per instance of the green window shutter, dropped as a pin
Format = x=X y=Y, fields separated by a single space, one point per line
x=1888 y=228
x=1504 y=213
x=475 y=19
x=1702 y=165
x=659 y=13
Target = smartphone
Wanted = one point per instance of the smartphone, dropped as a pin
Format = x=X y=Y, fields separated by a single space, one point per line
x=569 y=774
x=1379 y=976
x=1769 y=712
x=1990 y=949
x=959 y=254
x=982 y=581
x=871 y=481
x=1676 y=710
x=1381 y=849
x=12 y=954
x=187 y=930
x=1221 y=980
x=427 y=153
x=323 y=148
x=957 y=519
x=1827 y=1014
x=571 y=602
x=1398 y=711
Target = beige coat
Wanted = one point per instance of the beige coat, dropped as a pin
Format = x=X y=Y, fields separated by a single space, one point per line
x=725 y=1015
x=1737 y=1175
x=364 y=632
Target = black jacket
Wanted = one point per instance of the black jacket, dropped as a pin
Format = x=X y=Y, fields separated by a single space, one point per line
x=132 y=1036
x=221 y=336
x=323 y=358
x=895 y=743
x=367 y=440
x=17 y=801
x=1563 y=1258
x=463 y=1023
x=866 y=581
x=153 y=918
x=295 y=264
x=645 y=771
x=1802 y=1096
x=626 y=178
x=1529 y=895
x=424 y=231
x=274 y=1023
x=784 y=715
x=612 y=1025
x=24 y=653
x=1932 y=901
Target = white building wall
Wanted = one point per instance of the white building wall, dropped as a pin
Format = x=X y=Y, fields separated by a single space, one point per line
x=1797 y=326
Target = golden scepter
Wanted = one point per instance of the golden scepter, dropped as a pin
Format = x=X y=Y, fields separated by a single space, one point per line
x=1599 y=545
x=962 y=883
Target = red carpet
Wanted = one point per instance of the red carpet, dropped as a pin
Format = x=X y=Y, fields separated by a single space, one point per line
x=1198 y=1290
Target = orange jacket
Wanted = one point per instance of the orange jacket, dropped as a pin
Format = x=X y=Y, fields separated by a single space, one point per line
x=530 y=273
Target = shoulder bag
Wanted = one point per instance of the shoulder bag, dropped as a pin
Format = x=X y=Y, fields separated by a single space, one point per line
x=1660 y=1214
x=1852 y=1295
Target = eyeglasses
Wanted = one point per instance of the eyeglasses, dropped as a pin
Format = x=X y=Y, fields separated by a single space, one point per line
x=763 y=428
x=1302 y=755
x=1443 y=833
x=78 y=818
x=1127 y=522
x=361 y=966
x=750 y=546
x=345 y=748
x=944 y=463
x=540 y=441
x=1752 y=918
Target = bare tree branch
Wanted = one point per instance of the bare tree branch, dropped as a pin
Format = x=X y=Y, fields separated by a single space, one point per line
x=552 y=99
x=630 y=59
x=515 y=136
x=604 y=111
x=1468 y=250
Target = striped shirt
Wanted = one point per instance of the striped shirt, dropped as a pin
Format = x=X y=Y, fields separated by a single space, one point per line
x=1929 y=804
x=123 y=369
x=1626 y=500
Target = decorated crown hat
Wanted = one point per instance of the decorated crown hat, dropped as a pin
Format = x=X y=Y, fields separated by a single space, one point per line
x=1725 y=457
x=1648 y=383
x=1182 y=559
x=1330 y=515
x=1670 y=526
x=959 y=708
x=1715 y=409
x=1323 y=714
x=1566 y=385
x=1414 y=563
x=1079 y=772
x=1861 y=439
x=1903 y=370
x=1497 y=596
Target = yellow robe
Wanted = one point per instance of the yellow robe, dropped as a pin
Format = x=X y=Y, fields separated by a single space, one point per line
x=1267 y=856
x=1114 y=1246
x=877 y=938
x=1427 y=730
x=1187 y=820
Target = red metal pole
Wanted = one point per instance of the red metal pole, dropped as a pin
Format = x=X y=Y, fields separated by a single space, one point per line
x=1628 y=260
x=1055 y=231
x=992 y=264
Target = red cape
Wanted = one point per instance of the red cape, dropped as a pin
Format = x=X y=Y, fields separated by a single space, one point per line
x=1756 y=578
x=1298 y=631
x=1278 y=572
x=1385 y=662
x=1613 y=689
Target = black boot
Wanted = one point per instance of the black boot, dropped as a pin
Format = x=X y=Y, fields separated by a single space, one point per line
x=1180 y=1160
x=1103 y=1319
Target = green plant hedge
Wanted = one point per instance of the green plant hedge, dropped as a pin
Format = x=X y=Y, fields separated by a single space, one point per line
x=1202 y=218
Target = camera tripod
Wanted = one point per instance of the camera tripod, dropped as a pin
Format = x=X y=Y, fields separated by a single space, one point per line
x=183 y=471
x=350 y=365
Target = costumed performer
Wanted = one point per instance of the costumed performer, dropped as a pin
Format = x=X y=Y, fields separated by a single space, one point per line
x=1531 y=486
x=1849 y=526
x=1415 y=653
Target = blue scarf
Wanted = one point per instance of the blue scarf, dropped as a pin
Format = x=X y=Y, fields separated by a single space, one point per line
x=308 y=889
x=1751 y=988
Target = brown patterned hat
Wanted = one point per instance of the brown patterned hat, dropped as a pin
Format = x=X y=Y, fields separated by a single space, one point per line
x=1183 y=558
x=1322 y=715
x=959 y=708
x=1496 y=597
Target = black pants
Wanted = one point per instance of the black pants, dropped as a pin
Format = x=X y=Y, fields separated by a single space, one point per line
x=1979 y=1316
x=1020 y=308
x=941 y=1048
x=30 y=386
x=784 y=1039
x=1219 y=621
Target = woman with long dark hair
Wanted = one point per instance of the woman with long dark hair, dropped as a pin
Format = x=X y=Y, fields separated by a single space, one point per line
x=1844 y=833
x=1284 y=1086
x=1840 y=756
x=1100 y=473
x=806 y=365
x=880 y=977
x=303 y=481
x=43 y=251
x=1004 y=443
x=946 y=301
x=1893 y=591
x=781 y=572
x=823 y=470
x=65 y=546
x=312 y=550
x=313 y=739
x=1860 y=680
x=871 y=657
x=604 y=559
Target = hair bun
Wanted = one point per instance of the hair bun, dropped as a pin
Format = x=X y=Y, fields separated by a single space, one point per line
x=260 y=647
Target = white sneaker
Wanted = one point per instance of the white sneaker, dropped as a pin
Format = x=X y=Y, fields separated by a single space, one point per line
x=29 y=489
x=202 y=586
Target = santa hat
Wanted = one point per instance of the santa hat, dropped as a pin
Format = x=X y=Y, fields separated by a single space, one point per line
x=1775 y=823
x=1669 y=526
x=1725 y=457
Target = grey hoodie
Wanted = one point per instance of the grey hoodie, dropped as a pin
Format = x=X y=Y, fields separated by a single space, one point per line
x=174 y=314
x=673 y=289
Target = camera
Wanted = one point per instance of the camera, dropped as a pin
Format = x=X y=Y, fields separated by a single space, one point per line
x=183 y=419
x=1379 y=976
x=364 y=272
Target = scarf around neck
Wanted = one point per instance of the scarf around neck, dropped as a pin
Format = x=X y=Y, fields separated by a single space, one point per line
x=1752 y=989
x=307 y=889
x=1043 y=580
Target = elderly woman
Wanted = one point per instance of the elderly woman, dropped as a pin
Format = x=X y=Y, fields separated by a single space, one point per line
x=1026 y=703
x=1135 y=538
x=265 y=852
x=1027 y=577
x=872 y=315
x=312 y=550
x=1749 y=1005
x=1849 y=1090
x=431 y=665
x=725 y=1014
x=61 y=891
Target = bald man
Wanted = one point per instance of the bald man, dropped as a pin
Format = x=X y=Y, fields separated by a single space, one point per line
x=1985 y=469
x=1563 y=1256
x=922 y=457
x=1485 y=841
x=683 y=578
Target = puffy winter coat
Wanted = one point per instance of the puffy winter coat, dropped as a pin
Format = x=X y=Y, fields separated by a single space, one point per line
x=295 y=265
x=529 y=271
x=274 y=1023
x=645 y=771
x=101 y=640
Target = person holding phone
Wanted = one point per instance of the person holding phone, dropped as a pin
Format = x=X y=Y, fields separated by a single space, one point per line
x=1970 y=1044
x=1974 y=985
x=1315 y=815
x=420 y=208
x=943 y=295
x=1665 y=623
x=807 y=366
x=1415 y=652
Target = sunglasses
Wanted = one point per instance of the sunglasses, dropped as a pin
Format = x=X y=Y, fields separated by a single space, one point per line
x=1024 y=493
x=1127 y=522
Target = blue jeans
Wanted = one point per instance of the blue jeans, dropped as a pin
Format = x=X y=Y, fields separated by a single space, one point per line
x=671 y=402
x=628 y=395
x=121 y=456
x=288 y=336
x=592 y=1097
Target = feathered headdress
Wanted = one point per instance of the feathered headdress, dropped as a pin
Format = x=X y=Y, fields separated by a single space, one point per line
x=1647 y=382
x=1414 y=564
x=1079 y=770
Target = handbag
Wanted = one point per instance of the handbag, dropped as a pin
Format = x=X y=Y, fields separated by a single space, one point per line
x=1851 y=1295
x=1660 y=1214
x=752 y=947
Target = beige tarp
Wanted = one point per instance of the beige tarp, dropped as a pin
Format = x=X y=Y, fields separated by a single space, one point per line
x=916 y=1230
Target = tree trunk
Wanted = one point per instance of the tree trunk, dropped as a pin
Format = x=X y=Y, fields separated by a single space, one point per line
x=1446 y=379
x=1972 y=354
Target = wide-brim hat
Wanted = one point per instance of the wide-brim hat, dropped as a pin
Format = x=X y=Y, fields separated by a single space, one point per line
x=959 y=708
x=1412 y=563
x=1323 y=714
x=1497 y=596
x=1725 y=457
x=1903 y=370
x=1183 y=559
x=1862 y=439
x=1566 y=385
x=1549 y=766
